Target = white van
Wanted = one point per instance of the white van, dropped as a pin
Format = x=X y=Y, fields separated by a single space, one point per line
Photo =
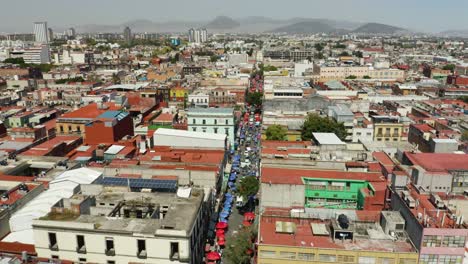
x=239 y=201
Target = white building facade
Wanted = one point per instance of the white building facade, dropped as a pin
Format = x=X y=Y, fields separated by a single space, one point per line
x=41 y=32
x=212 y=120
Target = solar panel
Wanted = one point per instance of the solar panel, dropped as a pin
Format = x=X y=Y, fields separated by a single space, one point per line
x=154 y=184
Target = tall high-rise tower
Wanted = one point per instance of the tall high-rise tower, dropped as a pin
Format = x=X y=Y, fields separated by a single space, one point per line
x=41 y=32
x=191 y=35
x=127 y=35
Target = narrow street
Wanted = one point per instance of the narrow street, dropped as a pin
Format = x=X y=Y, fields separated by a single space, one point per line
x=245 y=164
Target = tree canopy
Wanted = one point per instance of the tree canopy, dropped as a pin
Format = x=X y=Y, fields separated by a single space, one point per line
x=254 y=98
x=248 y=186
x=464 y=136
x=450 y=67
x=276 y=132
x=268 y=68
x=237 y=247
x=319 y=46
x=351 y=77
x=315 y=123
x=463 y=98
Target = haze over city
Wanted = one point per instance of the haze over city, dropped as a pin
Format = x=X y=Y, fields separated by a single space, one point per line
x=234 y=132
x=420 y=15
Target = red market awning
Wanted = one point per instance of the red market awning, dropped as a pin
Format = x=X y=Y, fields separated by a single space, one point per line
x=213 y=256
x=246 y=223
x=221 y=225
x=220 y=232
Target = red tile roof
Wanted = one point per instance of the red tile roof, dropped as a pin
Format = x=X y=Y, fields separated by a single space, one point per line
x=294 y=176
x=439 y=162
x=90 y=111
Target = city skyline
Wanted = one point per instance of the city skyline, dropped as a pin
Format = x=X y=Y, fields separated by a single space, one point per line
x=415 y=15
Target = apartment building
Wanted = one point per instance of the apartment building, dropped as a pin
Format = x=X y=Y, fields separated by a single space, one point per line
x=333 y=236
x=212 y=120
x=388 y=128
x=114 y=225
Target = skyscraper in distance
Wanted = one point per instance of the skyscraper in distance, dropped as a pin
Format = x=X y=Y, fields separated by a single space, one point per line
x=41 y=32
x=127 y=35
x=204 y=35
x=191 y=35
x=51 y=34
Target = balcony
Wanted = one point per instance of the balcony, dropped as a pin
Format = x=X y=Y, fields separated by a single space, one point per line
x=54 y=247
x=110 y=252
x=141 y=254
x=81 y=250
x=395 y=135
x=387 y=135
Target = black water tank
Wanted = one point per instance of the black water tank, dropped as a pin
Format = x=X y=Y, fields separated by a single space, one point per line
x=343 y=221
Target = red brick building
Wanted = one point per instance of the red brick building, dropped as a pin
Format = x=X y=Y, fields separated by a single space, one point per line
x=109 y=127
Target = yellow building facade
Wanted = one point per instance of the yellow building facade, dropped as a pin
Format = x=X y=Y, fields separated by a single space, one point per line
x=388 y=131
x=269 y=254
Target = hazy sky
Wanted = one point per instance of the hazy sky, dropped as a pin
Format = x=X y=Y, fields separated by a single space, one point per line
x=424 y=15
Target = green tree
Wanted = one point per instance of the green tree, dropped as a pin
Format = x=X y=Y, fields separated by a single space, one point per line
x=276 y=132
x=344 y=53
x=115 y=78
x=464 y=136
x=319 y=47
x=319 y=55
x=254 y=98
x=463 y=98
x=14 y=60
x=315 y=123
x=214 y=58
x=248 y=186
x=269 y=68
x=367 y=77
x=250 y=52
x=358 y=54
x=351 y=77
x=237 y=246
x=340 y=46
x=450 y=67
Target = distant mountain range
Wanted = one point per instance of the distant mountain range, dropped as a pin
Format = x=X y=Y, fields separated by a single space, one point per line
x=255 y=24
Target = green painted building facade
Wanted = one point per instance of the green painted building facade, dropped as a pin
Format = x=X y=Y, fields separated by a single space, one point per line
x=336 y=193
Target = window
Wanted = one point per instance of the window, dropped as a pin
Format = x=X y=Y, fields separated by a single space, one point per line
x=111 y=262
x=428 y=259
x=53 y=241
x=267 y=254
x=194 y=121
x=61 y=128
x=379 y=131
x=215 y=130
x=358 y=133
x=141 y=244
x=227 y=121
x=432 y=241
x=226 y=131
x=453 y=241
x=194 y=129
x=82 y=260
x=78 y=128
x=387 y=261
x=110 y=249
x=80 y=244
x=204 y=122
x=54 y=257
x=345 y=259
x=204 y=130
x=174 y=250
x=70 y=129
x=305 y=256
x=215 y=121
x=327 y=258
x=450 y=259
x=367 y=260
x=287 y=255
x=369 y=133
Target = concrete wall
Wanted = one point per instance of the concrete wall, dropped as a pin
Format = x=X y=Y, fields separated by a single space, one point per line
x=412 y=226
x=291 y=195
